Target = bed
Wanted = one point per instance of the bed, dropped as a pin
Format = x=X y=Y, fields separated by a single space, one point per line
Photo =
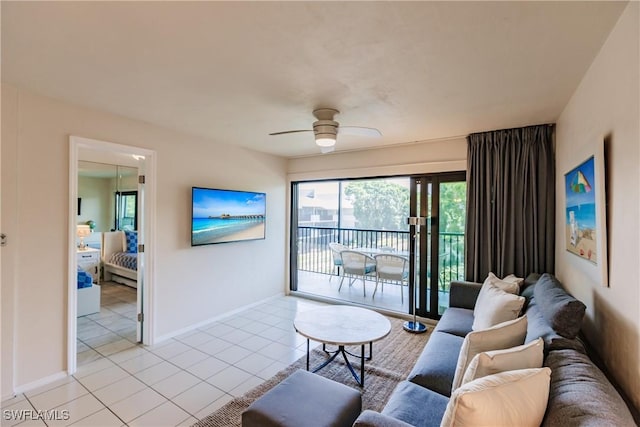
x=88 y=294
x=120 y=257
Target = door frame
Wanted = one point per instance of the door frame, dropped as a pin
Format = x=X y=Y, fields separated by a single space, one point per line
x=147 y=273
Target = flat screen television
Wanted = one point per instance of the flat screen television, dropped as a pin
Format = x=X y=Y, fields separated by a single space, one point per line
x=223 y=216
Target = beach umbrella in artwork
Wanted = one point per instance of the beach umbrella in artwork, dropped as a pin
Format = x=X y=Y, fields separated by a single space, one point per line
x=580 y=184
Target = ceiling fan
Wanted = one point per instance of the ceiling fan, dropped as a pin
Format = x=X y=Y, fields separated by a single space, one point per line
x=326 y=130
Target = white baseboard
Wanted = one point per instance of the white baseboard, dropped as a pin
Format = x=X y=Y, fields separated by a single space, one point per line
x=7 y=397
x=190 y=328
x=39 y=383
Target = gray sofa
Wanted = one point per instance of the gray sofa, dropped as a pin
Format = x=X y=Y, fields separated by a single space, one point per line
x=580 y=394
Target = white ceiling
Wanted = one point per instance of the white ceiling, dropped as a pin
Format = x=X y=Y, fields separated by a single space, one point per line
x=236 y=71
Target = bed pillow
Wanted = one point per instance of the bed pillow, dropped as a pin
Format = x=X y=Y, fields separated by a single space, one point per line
x=495 y=306
x=512 y=398
x=131 y=241
x=505 y=335
x=493 y=362
x=562 y=311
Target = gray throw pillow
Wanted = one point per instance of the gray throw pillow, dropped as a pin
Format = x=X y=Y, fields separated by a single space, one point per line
x=563 y=312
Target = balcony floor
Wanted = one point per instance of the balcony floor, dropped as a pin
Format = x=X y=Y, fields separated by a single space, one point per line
x=320 y=284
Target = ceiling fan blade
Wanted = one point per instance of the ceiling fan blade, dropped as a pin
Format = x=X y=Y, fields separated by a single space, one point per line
x=291 y=131
x=325 y=150
x=359 y=131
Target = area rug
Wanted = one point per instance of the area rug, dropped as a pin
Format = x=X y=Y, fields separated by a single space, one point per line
x=393 y=358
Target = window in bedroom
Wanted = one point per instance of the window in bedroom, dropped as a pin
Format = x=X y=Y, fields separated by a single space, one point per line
x=126 y=210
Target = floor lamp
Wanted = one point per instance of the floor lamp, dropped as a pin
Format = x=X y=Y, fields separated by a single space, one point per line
x=415 y=326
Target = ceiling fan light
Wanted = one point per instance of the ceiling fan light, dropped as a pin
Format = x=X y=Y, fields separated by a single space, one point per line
x=325 y=140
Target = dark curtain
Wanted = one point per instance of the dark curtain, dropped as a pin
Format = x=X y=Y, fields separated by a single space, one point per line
x=510 y=202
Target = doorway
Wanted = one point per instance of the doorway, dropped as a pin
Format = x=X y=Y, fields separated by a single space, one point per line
x=111 y=251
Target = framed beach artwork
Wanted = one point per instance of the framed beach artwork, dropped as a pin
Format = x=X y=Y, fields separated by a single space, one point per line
x=223 y=216
x=585 y=210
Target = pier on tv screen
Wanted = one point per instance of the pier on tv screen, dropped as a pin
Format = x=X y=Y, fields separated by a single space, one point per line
x=222 y=216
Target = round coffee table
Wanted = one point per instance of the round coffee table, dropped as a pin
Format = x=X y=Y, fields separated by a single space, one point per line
x=342 y=326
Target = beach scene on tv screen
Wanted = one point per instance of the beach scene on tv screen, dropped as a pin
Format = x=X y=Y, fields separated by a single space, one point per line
x=221 y=216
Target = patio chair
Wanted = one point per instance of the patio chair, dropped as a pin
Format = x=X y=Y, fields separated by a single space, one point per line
x=336 y=248
x=356 y=264
x=393 y=268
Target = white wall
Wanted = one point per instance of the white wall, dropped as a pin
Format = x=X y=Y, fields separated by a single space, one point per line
x=7 y=256
x=193 y=284
x=423 y=157
x=606 y=104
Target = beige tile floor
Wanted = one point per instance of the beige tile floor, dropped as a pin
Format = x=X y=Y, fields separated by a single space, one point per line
x=174 y=383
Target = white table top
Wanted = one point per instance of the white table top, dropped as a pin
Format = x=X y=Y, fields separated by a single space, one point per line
x=342 y=325
x=378 y=251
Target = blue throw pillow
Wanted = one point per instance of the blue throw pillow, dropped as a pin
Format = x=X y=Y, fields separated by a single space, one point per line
x=132 y=241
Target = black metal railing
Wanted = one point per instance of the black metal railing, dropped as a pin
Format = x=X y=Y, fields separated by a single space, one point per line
x=315 y=256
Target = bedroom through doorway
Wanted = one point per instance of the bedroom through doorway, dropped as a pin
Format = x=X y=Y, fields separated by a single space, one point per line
x=108 y=295
x=108 y=207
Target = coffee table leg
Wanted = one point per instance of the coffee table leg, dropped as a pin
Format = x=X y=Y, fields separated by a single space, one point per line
x=362 y=364
x=307 y=354
x=370 y=350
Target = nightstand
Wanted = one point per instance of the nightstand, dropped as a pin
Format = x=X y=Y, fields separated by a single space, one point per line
x=89 y=261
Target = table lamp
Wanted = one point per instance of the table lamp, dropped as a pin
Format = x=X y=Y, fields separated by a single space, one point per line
x=82 y=232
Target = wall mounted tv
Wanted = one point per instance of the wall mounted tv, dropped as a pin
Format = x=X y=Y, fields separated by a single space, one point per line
x=222 y=216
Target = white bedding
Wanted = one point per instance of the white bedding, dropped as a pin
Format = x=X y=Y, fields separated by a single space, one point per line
x=114 y=242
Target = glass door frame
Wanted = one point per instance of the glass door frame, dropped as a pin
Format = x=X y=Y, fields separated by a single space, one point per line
x=429 y=240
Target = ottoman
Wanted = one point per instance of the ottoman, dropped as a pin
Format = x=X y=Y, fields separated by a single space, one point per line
x=305 y=399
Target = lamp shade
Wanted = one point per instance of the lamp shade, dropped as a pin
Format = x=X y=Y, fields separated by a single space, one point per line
x=83 y=230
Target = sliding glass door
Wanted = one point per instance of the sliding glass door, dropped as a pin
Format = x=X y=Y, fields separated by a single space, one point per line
x=437 y=249
x=370 y=215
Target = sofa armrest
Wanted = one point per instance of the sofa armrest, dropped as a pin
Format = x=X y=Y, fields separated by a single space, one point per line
x=370 y=418
x=464 y=294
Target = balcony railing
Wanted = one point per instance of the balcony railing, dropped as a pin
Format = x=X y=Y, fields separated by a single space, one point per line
x=314 y=254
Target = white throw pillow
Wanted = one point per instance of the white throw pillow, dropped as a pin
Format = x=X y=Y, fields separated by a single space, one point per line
x=513 y=279
x=513 y=398
x=524 y=356
x=497 y=306
x=505 y=335
x=509 y=286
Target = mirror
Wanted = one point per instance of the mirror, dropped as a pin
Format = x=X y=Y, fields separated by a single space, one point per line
x=107 y=196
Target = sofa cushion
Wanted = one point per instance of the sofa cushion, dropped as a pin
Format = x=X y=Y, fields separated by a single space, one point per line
x=504 y=335
x=436 y=365
x=464 y=294
x=563 y=312
x=456 y=321
x=513 y=398
x=539 y=328
x=416 y=405
x=524 y=356
x=495 y=306
x=371 y=418
x=581 y=395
